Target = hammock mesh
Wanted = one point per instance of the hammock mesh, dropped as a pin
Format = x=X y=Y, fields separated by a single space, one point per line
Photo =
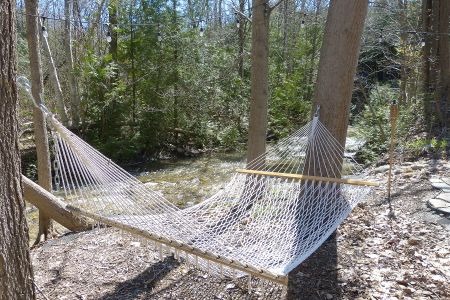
x=269 y=222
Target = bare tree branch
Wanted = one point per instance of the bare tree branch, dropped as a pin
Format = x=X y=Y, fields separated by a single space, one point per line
x=242 y=14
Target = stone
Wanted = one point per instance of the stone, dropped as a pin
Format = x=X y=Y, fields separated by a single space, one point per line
x=440 y=185
x=439 y=205
x=381 y=169
x=230 y=286
x=418 y=167
x=444 y=196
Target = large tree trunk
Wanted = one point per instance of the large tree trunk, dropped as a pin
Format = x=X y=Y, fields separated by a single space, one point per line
x=257 y=131
x=40 y=129
x=16 y=274
x=333 y=92
x=74 y=98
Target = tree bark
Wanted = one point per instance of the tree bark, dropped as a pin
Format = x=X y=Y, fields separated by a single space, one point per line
x=402 y=5
x=426 y=63
x=241 y=34
x=74 y=97
x=338 y=61
x=16 y=274
x=257 y=131
x=333 y=92
x=444 y=61
x=40 y=128
x=112 y=10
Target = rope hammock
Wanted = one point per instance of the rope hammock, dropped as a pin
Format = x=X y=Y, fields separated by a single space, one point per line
x=264 y=222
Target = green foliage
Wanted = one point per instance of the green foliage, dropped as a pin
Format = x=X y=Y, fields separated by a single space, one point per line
x=372 y=122
x=435 y=147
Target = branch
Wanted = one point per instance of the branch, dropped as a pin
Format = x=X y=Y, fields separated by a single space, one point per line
x=275 y=5
x=242 y=14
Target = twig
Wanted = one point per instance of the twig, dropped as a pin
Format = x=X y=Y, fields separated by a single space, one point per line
x=39 y=290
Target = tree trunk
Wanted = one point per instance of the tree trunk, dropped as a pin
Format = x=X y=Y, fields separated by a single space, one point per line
x=40 y=128
x=444 y=60
x=53 y=207
x=60 y=107
x=426 y=63
x=16 y=274
x=241 y=34
x=74 y=98
x=315 y=45
x=333 y=92
x=112 y=10
x=338 y=61
x=403 y=44
x=257 y=131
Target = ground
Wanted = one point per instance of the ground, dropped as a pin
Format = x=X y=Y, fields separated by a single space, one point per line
x=383 y=250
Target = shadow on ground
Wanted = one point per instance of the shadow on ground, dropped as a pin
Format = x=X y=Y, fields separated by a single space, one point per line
x=144 y=282
x=317 y=276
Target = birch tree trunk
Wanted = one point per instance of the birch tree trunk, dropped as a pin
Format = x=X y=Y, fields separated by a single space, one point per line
x=16 y=274
x=333 y=92
x=40 y=128
x=74 y=97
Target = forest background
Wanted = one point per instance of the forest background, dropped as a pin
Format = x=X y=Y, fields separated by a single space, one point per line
x=145 y=80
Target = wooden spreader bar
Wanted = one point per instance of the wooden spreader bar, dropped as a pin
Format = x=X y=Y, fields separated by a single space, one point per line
x=306 y=177
x=185 y=247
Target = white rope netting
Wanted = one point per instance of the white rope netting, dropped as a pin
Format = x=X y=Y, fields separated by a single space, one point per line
x=263 y=220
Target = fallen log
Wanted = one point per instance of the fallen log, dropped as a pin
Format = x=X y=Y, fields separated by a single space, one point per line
x=52 y=206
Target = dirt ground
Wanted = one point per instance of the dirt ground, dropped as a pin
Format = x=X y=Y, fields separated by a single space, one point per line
x=383 y=250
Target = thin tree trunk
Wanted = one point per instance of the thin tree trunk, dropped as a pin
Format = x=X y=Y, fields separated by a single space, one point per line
x=40 y=129
x=61 y=109
x=16 y=274
x=259 y=80
x=444 y=60
x=435 y=61
x=403 y=42
x=426 y=63
x=74 y=97
x=112 y=9
x=315 y=45
x=241 y=34
x=333 y=93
